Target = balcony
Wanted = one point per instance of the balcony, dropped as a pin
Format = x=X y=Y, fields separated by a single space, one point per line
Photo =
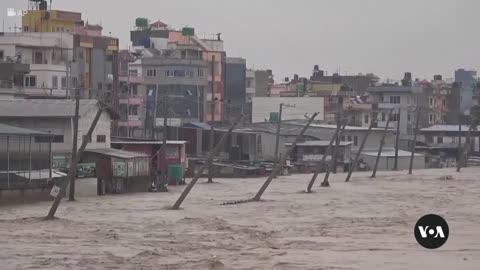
x=131 y=79
x=388 y=106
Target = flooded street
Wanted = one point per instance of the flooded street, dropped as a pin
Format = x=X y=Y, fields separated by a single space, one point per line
x=365 y=224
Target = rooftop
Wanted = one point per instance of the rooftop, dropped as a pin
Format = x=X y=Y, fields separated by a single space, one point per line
x=391 y=153
x=116 y=153
x=50 y=108
x=451 y=128
x=393 y=89
x=149 y=142
x=7 y=130
x=318 y=143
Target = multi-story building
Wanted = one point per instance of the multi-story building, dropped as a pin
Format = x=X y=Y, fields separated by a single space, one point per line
x=443 y=101
x=263 y=82
x=467 y=80
x=11 y=77
x=356 y=83
x=408 y=98
x=235 y=89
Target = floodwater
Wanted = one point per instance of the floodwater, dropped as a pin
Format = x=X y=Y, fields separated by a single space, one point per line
x=364 y=224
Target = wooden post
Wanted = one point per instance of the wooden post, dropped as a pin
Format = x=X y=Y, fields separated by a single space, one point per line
x=8 y=162
x=320 y=165
x=357 y=156
x=279 y=165
x=277 y=138
x=333 y=162
x=72 y=169
x=415 y=132
x=207 y=164
x=71 y=195
x=397 y=139
x=382 y=142
x=30 y=160
x=212 y=115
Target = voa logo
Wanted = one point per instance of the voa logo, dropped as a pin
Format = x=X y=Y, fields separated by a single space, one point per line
x=431 y=231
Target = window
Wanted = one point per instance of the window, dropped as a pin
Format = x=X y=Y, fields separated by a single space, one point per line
x=54 y=82
x=46 y=139
x=201 y=73
x=366 y=118
x=133 y=110
x=444 y=119
x=74 y=82
x=64 y=83
x=169 y=73
x=38 y=58
x=30 y=81
x=89 y=139
x=349 y=138
x=355 y=140
x=25 y=28
x=134 y=90
x=151 y=72
x=395 y=117
x=1 y=55
x=383 y=116
x=99 y=86
x=431 y=101
x=395 y=99
x=80 y=55
x=189 y=73
x=409 y=117
x=101 y=138
x=133 y=72
x=343 y=138
x=430 y=118
x=109 y=86
x=179 y=73
x=439 y=139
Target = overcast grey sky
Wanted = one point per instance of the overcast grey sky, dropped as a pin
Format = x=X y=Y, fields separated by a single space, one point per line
x=385 y=37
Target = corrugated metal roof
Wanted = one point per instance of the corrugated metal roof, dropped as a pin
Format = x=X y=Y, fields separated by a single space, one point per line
x=451 y=128
x=11 y=130
x=44 y=108
x=318 y=143
x=149 y=142
x=197 y=125
x=116 y=153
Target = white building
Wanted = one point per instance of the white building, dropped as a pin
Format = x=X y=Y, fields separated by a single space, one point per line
x=299 y=107
x=56 y=117
x=50 y=57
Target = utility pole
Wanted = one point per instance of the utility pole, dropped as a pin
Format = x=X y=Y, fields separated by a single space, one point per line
x=154 y=115
x=333 y=162
x=72 y=169
x=382 y=142
x=71 y=195
x=459 y=159
x=357 y=156
x=397 y=139
x=279 y=165
x=209 y=160
x=164 y=139
x=212 y=115
x=277 y=140
x=415 y=132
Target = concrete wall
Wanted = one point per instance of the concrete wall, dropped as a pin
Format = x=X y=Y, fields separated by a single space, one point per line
x=263 y=106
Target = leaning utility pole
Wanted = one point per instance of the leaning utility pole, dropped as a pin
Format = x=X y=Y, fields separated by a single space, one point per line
x=382 y=142
x=212 y=115
x=357 y=156
x=397 y=139
x=207 y=164
x=414 y=144
x=465 y=149
x=277 y=139
x=71 y=195
x=71 y=170
x=164 y=139
x=279 y=165
x=333 y=162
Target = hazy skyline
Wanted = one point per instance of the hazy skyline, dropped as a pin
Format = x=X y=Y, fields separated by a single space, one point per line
x=384 y=37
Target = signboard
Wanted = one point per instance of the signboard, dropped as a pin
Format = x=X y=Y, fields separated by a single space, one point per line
x=171 y=122
x=314 y=157
x=59 y=162
x=55 y=191
x=85 y=170
x=119 y=169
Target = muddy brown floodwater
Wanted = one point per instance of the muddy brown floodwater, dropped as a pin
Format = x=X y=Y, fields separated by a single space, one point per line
x=364 y=224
